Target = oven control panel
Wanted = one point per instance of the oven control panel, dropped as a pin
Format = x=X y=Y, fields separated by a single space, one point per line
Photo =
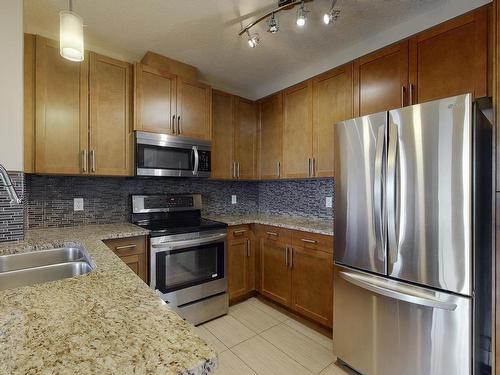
x=165 y=203
x=204 y=160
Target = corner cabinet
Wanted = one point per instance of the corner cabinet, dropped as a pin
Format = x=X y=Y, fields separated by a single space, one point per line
x=169 y=104
x=271 y=136
x=133 y=252
x=82 y=118
x=241 y=262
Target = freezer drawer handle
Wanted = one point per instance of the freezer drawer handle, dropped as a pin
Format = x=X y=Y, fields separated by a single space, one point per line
x=418 y=300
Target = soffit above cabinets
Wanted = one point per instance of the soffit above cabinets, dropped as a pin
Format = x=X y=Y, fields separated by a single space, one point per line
x=205 y=34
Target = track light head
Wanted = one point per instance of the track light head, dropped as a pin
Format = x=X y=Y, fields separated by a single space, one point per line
x=301 y=16
x=253 y=40
x=272 y=25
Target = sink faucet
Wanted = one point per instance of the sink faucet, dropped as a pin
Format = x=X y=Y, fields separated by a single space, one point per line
x=14 y=198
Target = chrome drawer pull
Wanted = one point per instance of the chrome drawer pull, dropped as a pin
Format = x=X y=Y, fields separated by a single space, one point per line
x=125 y=247
x=238 y=232
x=272 y=233
x=309 y=241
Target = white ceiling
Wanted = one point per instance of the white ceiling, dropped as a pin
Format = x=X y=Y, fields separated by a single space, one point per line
x=204 y=33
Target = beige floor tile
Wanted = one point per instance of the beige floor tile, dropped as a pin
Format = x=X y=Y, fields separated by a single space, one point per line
x=301 y=348
x=253 y=317
x=210 y=339
x=274 y=312
x=333 y=369
x=311 y=333
x=230 y=364
x=266 y=359
x=229 y=330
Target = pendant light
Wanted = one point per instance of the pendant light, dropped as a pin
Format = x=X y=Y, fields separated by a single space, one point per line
x=71 y=34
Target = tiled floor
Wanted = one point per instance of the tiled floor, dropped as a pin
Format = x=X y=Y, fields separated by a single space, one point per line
x=257 y=339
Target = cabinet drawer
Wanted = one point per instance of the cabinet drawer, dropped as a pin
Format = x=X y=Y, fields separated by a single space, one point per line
x=273 y=233
x=127 y=246
x=238 y=231
x=314 y=241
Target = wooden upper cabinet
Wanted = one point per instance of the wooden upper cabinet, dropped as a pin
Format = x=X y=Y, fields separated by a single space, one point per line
x=193 y=109
x=271 y=136
x=332 y=102
x=245 y=138
x=381 y=80
x=110 y=116
x=155 y=100
x=222 y=135
x=297 y=131
x=451 y=59
x=61 y=102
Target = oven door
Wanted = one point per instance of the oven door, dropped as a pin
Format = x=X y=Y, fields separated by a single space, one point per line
x=167 y=156
x=184 y=271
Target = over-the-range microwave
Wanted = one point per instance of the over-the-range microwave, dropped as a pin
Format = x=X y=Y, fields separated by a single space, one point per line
x=163 y=155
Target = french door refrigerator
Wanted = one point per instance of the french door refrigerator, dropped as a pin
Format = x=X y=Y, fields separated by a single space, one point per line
x=412 y=245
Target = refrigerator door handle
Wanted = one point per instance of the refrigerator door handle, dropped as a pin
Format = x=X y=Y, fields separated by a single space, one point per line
x=391 y=193
x=378 y=193
x=390 y=292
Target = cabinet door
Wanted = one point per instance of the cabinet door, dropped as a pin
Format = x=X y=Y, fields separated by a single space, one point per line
x=222 y=135
x=245 y=138
x=61 y=102
x=381 y=80
x=237 y=267
x=251 y=262
x=155 y=100
x=312 y=284
x=110 y=130
x=271 y=134
x=450 y=59
x=275 y=273
x=137 y=263
x=332 y=102
x=297 y=132
x=193 y=109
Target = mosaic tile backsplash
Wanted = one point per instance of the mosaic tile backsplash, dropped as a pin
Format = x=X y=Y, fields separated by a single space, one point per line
x=12 y=215
x=107 y=200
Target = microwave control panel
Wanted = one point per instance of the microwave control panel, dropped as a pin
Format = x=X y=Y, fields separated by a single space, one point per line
x=204 y=161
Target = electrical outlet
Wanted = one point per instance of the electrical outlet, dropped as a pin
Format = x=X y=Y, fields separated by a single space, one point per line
x=233 y=199
x=78 y=204
x=329 y=202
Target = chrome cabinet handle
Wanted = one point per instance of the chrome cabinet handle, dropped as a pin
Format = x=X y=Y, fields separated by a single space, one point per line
x=278 y=168
x=391 y=192
x=179 y=130
x=309 y=167
x=84 y=160
x=238 y=232
x=290 y=263
x=403 y=90
x=396 y=294
x=173 y=124
x=196 y=160
x=238 y=175
x=92 y=155
x=306 y=240
x=272 y=234
x=313 y=173
x=248 y=249
x=234 y=169
x=124 y=247
x=411 y=93
x=377 y=193
x=286 y=256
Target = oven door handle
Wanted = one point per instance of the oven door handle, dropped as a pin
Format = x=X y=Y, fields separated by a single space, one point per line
x=173 y=245
x=196 y=160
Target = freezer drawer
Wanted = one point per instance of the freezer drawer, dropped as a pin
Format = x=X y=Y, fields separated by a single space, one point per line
x=385 y=327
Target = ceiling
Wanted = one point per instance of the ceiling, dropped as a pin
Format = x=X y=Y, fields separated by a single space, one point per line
x=204 y=33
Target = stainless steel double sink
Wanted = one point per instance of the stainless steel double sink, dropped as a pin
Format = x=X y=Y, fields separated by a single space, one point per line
x=42 y=266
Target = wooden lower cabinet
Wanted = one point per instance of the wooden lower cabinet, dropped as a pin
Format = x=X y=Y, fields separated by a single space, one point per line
x=275 y=273
x=133 y=252
x=241 y=262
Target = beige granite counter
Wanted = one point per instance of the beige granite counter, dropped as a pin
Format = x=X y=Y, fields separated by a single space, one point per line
x=289 y=222
x=105 y=322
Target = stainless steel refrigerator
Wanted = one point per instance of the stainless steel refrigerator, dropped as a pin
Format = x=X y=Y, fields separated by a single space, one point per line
x=413 y=240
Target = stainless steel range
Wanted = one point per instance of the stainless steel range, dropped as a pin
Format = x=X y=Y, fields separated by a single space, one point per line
x=188 y=254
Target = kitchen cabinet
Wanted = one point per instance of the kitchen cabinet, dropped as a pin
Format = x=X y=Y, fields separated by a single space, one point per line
x=133 y=252
x=61 y=114
x=169 y=104
x=271 y=136
x=332 y=103
x=110 y=130
x=450 y=59
x=222 y=135
x=275 y=271
x=241 y=262
x=245 y=139
x=297 y=131
x=381 y=80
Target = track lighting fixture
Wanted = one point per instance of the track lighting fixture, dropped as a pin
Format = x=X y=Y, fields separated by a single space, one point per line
x=272 y=25
x=71 y=34
x=253 y=39
x=301 y=16
x=332 y=15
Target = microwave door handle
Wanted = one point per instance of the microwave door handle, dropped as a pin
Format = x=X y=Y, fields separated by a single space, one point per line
x=196 y=160
x=173 y=245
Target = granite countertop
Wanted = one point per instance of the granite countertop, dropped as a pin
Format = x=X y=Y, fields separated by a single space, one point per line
x=289 y=222
x=106 y=322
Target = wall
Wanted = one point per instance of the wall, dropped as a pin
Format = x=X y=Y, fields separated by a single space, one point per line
x=107 y=200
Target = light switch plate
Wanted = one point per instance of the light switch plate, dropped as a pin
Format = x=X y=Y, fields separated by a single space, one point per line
x=329 y=202
x=233 y=199
x=78 y=204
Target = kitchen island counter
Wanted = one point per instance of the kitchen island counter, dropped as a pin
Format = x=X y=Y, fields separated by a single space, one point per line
x=108 y=321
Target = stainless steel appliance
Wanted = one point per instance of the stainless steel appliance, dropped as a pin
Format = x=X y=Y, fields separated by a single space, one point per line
x=413 y=240
x=188 y=254
x=162 y=155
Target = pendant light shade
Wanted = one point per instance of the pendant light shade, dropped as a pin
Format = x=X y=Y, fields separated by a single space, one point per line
x=71 y=35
